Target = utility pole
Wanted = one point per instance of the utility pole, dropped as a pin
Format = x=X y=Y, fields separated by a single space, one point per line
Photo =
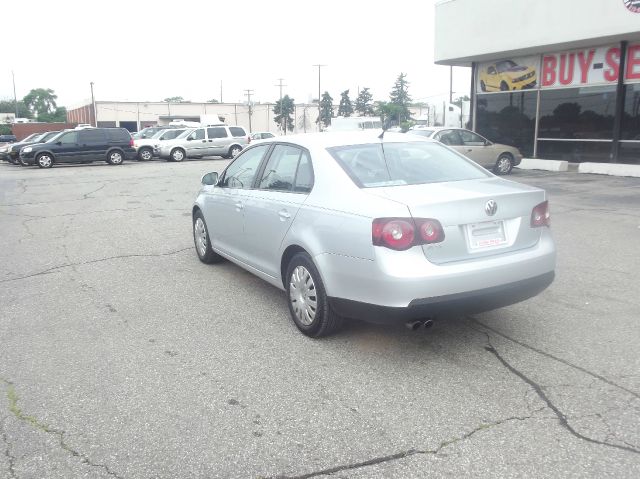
x=93 y=106
x=220 y=91
x=248 y=95
x=319 y=110
x=451 y=84
x=15 y=98
x=283 y=117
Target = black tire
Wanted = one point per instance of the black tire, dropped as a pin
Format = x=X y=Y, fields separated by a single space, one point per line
x=234 y=151
x=483 y=87
x=202 y=241
x=304 y=288
x=145 y=154
x=504 y=164
x=44 y=160
x=504 y=86
x=177 y=154
x=115 y=157
x=13 y=161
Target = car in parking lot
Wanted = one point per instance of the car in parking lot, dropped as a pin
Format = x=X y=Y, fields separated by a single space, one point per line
x=494 y=156
x=261 y=135
x=222 y=140
x=416 y=230
x=146 y=148
x=7 y=139
x=11 y=151
x=113 y=145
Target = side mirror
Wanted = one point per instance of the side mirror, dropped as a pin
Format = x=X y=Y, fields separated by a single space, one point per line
x=487 y=143
x=58 y=143
x=210 y=179
x=189 y=138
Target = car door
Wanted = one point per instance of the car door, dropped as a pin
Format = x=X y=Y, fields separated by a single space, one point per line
x=219 y=140
x=196 y=143
x=225 y=202
x=93 y=145
x=452 y=139
x=272 y=206
x=67 y=149
x=478 y=148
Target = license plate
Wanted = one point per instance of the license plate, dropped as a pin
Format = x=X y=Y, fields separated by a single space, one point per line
x=486 y=234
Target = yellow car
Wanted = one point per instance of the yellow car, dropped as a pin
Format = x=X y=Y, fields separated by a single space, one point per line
x=507 y=75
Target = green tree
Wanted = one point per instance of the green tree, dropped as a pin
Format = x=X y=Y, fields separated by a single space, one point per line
x=458 y=101
x=60 y=115
x=364 y=103
x=345 y=108
x=9 y=106
x=326 y=109
x=174 y=99
x=399 y=96
x=283 y=110
x=388 y=112
x=41 y=101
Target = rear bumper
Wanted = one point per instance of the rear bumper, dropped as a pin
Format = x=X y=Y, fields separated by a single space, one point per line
x=470 y=302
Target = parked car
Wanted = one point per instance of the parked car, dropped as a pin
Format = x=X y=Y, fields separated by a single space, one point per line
x=113 y=145
x=11 y=151
x=499 y=158
x=417 y=229
x=145 y=146
x=225 y=141
x=261 y=135
x=14 y=152
x=149 y=131
x=7 y=139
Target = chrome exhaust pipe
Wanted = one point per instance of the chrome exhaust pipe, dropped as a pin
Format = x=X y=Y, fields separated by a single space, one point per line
x=414 y=325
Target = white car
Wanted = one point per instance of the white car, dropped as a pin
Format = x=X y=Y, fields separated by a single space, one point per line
x=146 y=147
x=397 y=228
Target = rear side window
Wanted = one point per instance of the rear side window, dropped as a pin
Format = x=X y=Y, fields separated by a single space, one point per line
x=118 y=134
x=410 y=163
x=237 y=131
x=217 y=132
x=91 y=136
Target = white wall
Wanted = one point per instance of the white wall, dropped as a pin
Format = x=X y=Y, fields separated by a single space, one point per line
x=477 y=30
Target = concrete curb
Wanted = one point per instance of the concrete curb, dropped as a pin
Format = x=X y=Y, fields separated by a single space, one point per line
x=547 y=165
x=612 y=169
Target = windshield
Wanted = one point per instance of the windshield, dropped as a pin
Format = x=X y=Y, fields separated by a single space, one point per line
x=505 y=65
x=421 y=132
x=412 y=163
x=185 y=133
x=46 y=137
x=53 y=138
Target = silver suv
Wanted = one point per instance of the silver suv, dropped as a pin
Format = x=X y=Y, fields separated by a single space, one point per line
x=225 y=141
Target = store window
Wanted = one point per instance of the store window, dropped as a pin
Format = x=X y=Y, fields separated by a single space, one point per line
x=508 y=118
x=631 y=115
x=577 y=113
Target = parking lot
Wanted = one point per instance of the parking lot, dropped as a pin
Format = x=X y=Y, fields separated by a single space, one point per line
x=122 y=355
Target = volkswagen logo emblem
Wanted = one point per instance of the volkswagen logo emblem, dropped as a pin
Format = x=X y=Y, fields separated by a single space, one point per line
x=490 y=208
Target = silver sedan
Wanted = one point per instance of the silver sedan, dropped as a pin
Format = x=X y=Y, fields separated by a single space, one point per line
x=392 y=229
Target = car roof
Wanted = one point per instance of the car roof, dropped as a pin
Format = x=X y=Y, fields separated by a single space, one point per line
x=343 y=138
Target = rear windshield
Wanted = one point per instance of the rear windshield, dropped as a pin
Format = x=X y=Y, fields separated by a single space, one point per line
x=421 y=132
x=412 y=163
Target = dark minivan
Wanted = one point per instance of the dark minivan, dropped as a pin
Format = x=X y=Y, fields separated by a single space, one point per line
x=113 y=145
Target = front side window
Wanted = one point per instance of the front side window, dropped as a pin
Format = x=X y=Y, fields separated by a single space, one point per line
x=242 y=172
x=411 y=163
x=449 y=137
x=469 y=138
x=69 y=138
x=280 y=172
x=170 y=134
x=197 y=135
x=217 y=132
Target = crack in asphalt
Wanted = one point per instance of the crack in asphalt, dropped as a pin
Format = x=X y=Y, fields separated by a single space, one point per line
x=13 y=398
x=7 y=453
x=86 y=195
x=555 y=358
x=55 y=269
x=562 y=419
x=409 y=452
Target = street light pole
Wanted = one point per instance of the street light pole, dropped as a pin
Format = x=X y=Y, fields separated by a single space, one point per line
x=319 y=110
x=93 y=106
x=15 y=98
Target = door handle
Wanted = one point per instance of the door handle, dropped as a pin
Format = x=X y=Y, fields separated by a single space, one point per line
x=469 y=149
x=204 y=141
x=239 y=205
x=284 y=215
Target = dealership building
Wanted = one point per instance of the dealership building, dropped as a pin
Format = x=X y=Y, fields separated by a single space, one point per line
x=558 y=79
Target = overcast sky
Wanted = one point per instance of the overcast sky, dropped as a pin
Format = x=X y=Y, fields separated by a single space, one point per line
x=147 y=51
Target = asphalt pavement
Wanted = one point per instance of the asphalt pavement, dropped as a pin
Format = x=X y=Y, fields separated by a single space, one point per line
x=123 y=356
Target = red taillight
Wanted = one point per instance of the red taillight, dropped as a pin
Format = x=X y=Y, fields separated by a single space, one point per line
x=131 y=142
x=540 y=215
x=400 y=233
x=248 y=139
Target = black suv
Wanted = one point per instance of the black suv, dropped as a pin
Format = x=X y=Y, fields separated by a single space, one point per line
x=8 y=138
x=113 y=145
